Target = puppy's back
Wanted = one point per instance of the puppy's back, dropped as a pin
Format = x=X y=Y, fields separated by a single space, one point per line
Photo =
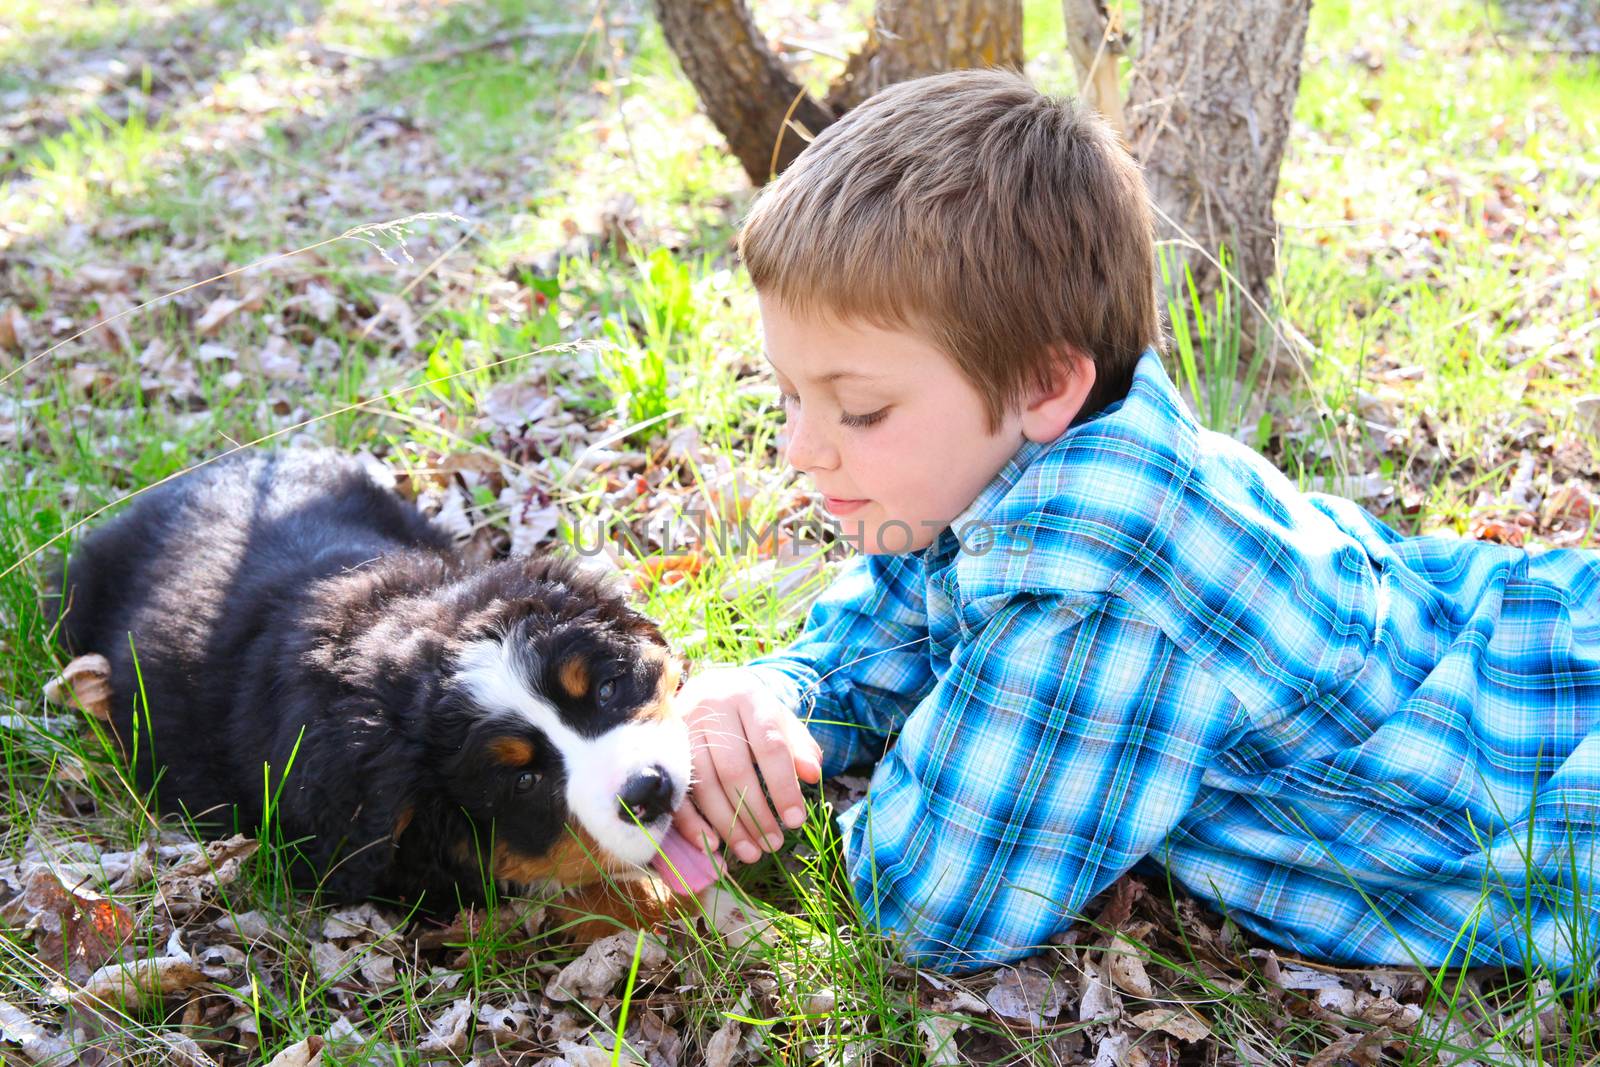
x=194 y=593
x=245 y=521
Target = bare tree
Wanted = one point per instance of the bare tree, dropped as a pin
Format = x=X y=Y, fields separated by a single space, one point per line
x=909 y=39
x=767 y=116
x=1211 y=95
x=1210 y=106
x=1094 y=41
x=746 y=90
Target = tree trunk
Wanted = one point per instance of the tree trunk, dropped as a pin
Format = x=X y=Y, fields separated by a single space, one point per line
x=1207 y=114
x=909 y=39
x=1095 y=45
x=745 y=89
x=747 y=93
x=1210 y=106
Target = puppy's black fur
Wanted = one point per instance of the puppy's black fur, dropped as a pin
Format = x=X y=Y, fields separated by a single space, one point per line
x=279 y=612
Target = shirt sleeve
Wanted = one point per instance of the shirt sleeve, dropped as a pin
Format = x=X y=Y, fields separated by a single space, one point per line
x=1068 y=738
x=861 y=663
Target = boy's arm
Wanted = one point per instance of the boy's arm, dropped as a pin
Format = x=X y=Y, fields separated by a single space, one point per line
x=861 y=664
x=1068 y=738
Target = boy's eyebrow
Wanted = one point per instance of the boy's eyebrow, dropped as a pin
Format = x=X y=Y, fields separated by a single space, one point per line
x=824 y=379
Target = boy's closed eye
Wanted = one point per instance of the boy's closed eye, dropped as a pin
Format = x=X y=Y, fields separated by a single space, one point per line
x=787 y=401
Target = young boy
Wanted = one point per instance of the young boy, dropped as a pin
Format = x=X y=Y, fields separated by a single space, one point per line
x=1084 y=631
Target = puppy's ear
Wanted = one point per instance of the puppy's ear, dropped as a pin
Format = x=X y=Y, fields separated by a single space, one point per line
x=642 y=626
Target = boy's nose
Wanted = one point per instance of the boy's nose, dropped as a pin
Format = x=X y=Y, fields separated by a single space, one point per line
x=806 y=451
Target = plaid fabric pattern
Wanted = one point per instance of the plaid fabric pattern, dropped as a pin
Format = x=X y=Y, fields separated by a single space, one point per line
x=1142 y=643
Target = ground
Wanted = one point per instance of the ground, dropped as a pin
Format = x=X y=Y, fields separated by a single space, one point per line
x=486 y=243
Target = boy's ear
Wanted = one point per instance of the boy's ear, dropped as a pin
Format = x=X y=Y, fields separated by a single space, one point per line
x=1050 y=411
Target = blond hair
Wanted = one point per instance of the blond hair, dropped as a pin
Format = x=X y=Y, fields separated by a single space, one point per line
x=999 y=223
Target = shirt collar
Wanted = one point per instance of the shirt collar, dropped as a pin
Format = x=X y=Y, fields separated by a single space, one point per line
x=948 y=543
x=945 y=546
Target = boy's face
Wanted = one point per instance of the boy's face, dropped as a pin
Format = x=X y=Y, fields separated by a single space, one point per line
x=891 y=433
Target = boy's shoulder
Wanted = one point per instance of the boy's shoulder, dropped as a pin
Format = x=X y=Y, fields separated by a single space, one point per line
x=1199 y=535
x=1075 y=514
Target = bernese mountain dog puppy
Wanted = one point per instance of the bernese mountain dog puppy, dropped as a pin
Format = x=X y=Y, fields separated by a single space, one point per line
x=282 y=630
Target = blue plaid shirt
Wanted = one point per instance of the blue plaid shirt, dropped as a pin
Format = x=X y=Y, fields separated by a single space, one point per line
x=1142 y=641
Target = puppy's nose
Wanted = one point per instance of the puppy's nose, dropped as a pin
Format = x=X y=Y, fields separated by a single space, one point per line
x=646 y=796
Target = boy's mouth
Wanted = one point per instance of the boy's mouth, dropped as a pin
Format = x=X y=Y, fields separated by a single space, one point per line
x=841 y=506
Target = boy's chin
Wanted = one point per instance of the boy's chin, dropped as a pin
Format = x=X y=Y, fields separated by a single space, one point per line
x=890 y=537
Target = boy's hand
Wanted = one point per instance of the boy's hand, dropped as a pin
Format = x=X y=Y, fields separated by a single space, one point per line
x=737 y=727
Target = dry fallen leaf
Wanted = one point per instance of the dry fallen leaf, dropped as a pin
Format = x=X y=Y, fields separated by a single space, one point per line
x=448 y=1033
x=190 y=884
x=1096 y=999
x=277 y=360
x=723 y=1048
x=660 y=1041
x=75 y=930
x=215 y=314
x=114 y=318
x=1025 y=994
x=507 y=1021
x=135 y=982
x=939 y=1039
x=85 y=683
x=363 y=921
x=182 y=1051
x=1112 y=1050
x=250 y=926
x=38 y=1045
x=574 y=1055
x=306 y=1053
x=14 y=332
x=220 y=862
x=1127 y=969
x=1498 y=530
x=532 y=515
x=668 y=569
x=1362 y=1047
x=602 y=964
x=1175 y=1021
x=513 y=404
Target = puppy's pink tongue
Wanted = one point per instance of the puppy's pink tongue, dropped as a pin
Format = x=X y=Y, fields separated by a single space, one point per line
x=684 y=866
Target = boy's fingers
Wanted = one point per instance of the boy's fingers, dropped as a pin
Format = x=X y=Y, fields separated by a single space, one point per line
x=742 y=791
x=771 y=744
x=807 y=753
x=708 y=797
x=695 y=829
x=688 y=820
x=740 y=783
x=711 y=797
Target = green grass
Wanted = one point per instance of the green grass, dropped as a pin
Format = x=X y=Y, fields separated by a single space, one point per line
x=596 y=263
x=1393 y=257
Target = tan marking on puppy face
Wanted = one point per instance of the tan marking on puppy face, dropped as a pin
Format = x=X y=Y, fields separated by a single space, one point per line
x=404 y=820
x=511 y=751
x=575 y=859
x=660 y=706
x=574 y=677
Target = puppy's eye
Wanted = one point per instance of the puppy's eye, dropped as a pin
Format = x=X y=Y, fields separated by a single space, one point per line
x=607 y=690
x=526 y=781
